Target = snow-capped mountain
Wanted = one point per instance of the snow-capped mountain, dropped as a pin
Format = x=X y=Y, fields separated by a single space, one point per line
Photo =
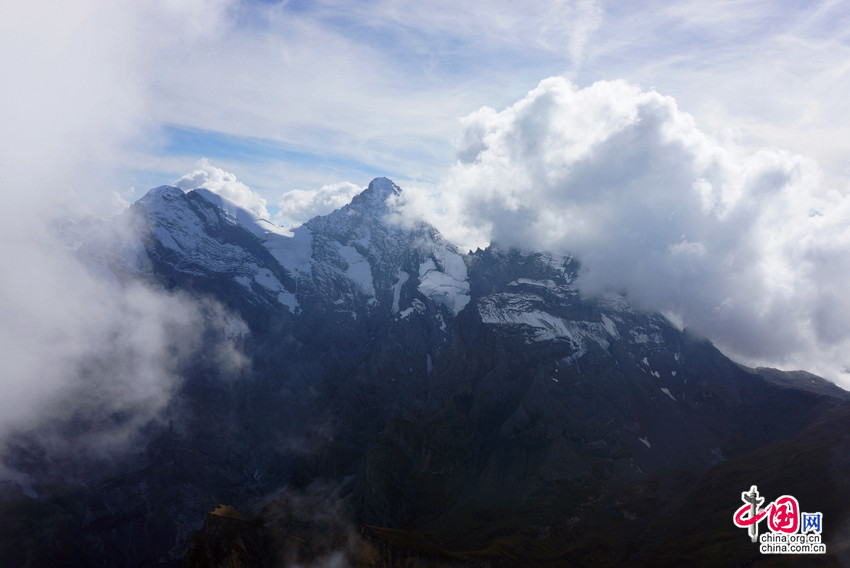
x=357 y=260
x=352 y=261
x=472 y=407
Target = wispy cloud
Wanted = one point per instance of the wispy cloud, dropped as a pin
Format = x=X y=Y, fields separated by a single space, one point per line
x=765 y=73
x=377 y=87
x=375 y=84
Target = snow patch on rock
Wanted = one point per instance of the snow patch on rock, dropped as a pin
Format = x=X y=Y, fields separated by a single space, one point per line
x=443 y=279
x=402 y=278
x=358 y=269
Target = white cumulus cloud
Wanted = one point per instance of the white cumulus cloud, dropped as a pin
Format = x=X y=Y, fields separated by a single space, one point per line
x=224 y=184
x=300 y=205
x=743 y=246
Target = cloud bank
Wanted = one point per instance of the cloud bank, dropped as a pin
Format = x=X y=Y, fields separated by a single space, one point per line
x=75 y=345
x=741 y=246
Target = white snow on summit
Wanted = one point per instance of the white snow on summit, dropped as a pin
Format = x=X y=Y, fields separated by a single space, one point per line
x=610 y=326
x=415 y=306
x=240 y=216
x=183 y=227
x=291 y=250
x=548 y=284
x=178 y=227
x=356 y=241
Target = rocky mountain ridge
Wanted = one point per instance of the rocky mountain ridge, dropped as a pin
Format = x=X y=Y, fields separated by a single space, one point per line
x=474 y=408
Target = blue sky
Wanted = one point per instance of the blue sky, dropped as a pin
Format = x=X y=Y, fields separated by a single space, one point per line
x=303 y=94
x=303 y=101
x=316 y=93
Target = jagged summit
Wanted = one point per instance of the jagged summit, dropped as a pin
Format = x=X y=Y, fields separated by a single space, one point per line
x=383 y=186
x=374 y=197
x=369 y=206
x=352 y=260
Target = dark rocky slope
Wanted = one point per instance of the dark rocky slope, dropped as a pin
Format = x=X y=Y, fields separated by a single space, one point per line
x=404 y=404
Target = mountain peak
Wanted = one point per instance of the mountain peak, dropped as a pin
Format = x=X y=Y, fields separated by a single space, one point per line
x=384 y=186
x=375 y=196
x=164 y=192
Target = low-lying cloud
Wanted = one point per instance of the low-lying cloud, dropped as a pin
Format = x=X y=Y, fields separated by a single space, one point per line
x=744 y=246
x=92 y=354
x=78 y=347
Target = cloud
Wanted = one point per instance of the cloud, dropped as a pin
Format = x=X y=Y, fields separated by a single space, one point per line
x=89 y=359
x=289 y=77
x=75 y=345
x=224 y=184
x=292 y=75
x=743 y=246
x=299 y=205
x=765 y=73
x=279 y=86
x=553 y=26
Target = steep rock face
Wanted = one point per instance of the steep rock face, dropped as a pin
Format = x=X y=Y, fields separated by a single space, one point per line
x=567 y=415
x=198 y=240
x=553 y=419
x=385 y=261
x=460 y=402
x=228 y=540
